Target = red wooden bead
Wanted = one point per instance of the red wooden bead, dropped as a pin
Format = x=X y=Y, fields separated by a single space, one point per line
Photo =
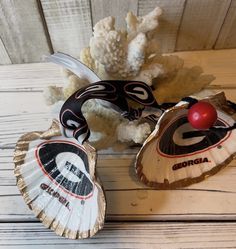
x=202 y=115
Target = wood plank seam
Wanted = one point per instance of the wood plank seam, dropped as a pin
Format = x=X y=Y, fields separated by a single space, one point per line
x=69 y=24
x=5 y=50
x=201 y=23
x=222 y=25
x=169 y=21
x=22 y=31
x=181 y=20
x=46 y=31
x=91 y=13
x=117 y=235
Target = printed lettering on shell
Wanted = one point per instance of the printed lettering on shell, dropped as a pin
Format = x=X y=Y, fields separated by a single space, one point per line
x=190 y=162
x=66 y=164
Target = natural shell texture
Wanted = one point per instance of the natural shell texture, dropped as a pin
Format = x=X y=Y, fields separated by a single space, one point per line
x=56 y=177
x=169 y=160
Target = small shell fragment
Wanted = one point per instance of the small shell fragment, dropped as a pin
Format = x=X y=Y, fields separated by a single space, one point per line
x=56 y=177
x=169 y=160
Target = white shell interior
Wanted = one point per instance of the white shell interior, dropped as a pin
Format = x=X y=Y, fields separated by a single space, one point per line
x=79 y=214
x=158 y=167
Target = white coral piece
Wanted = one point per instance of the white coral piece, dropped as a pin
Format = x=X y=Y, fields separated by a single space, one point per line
x=87 y=59
x=72 y=83
x=108 y=125
x=132 y=54
x=133 y=131
x=149 y=73
x=53 y=94
x=143 y=24
x=121 y=54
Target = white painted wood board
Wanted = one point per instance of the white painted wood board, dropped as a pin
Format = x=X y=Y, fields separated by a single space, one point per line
x=17 y=118
x=201 y=24
x=30 y=29
x=119 y=9
x=127 y=198
x=32 y=77
x=69 y=24
x=168 y=235
x=4 y=57
x=36 y=76
x=169 y=20
x=227 y=36
x=22 y=31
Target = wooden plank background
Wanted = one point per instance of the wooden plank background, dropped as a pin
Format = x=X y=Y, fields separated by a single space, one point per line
x=127 y=198
x=202 y=215
x=22 y=31
x=116 y=235
x=201 y=23
x=30 y=29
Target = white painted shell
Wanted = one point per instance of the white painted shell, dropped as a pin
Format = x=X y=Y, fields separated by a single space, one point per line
x=56 y=177
x=167 y=160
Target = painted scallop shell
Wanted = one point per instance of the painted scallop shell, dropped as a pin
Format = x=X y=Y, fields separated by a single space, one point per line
x=168 y=160
x=56 y=177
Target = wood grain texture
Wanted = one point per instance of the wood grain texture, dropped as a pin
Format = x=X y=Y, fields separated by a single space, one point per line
x=227 y=36
x=127 y=198
x=117 y=8
x=29 y=77
x=14 y=104
x=201 y=23
x=69 y=24
x=4 y=57
x=21 y=90
x=13 y=122
x=117 y=173
x=35 y=77
x=13 y=207
x=184 y=25
x=169 y=20
x=220 y=63
x=22 y=31
x=14 y=126
x=166 y=235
